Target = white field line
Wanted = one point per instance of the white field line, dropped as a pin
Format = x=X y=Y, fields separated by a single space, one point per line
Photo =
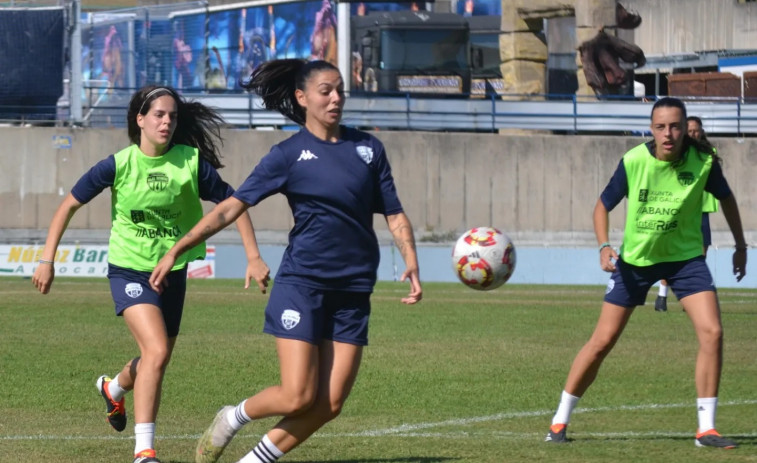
x=416 y=430
x=505 y=416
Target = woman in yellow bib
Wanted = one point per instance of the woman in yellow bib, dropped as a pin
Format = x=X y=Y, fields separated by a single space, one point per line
x=709 y=204
x=156 y=186
x=663 y=181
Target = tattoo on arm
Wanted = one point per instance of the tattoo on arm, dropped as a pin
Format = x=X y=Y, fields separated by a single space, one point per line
x=403 y=237
x=210 y=230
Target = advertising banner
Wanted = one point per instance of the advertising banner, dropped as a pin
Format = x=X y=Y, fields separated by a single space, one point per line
x=86 y=260
x=431 y=84
x=488 y=86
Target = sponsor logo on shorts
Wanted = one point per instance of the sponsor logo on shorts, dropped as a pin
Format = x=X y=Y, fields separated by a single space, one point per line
x=133 y=290
x=610 y=286
x=290 y=318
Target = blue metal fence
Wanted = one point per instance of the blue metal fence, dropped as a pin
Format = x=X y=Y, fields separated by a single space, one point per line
x=571 y=114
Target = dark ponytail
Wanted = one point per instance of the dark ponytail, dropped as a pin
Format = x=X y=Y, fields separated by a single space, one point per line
x=276 y=81
x=197 y=125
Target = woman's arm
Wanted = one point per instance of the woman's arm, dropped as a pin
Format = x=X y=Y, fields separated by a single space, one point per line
x=601 y=230
x=402 y=231
x=221 y=216
x=732 y=216
x=256 y=267
x=45 y=272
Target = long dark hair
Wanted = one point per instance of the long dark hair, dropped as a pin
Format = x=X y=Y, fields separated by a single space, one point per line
x=696 y=119
x=197 y=125
x=276 y=81
x=703 y=146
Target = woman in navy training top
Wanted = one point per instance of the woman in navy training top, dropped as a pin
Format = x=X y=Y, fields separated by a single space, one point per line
x=335 y=178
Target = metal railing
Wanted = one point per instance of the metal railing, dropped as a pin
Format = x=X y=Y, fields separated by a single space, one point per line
x=568 y=114
x=556 y=113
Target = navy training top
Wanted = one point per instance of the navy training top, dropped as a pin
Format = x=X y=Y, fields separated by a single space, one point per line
x=101 y=176
x=333 y=190
x=617 y=188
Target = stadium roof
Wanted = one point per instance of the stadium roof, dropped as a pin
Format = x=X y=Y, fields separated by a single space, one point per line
x=698 y=59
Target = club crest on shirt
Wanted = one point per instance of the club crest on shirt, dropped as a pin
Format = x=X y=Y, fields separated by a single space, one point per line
x=290 y=318
x=365 y=153
x=686 y=178
x=157 y=181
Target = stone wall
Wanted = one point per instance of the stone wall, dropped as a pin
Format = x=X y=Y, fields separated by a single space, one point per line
x=540 y=188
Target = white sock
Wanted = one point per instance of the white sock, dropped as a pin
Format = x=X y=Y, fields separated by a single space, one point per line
x=663 y=291
x=567 y=404
x=144 y=434
x=264 y=452
x=706 y=408
x=115 y=390
x=238 y=417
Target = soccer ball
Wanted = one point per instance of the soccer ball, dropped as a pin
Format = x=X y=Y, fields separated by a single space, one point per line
x=483 y=258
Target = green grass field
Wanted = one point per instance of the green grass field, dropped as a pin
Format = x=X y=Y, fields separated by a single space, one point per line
x=462 y=377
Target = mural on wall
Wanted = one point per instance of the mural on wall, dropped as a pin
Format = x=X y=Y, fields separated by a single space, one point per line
x=470 y=8
x=364 y=8
x=216 y=53
x=152 y=51
x=212 y=51
x=104 y=57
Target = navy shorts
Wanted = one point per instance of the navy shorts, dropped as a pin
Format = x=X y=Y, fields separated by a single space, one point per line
x=312 y=315
x=706 y=233
x=629 y=284
x=131 y=287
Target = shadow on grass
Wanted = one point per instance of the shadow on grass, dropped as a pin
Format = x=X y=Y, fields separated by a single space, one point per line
x=386 y=460
x=745 y=441
x=365 y=460
x=742 y=440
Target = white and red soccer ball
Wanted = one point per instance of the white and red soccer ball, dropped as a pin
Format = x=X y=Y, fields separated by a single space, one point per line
x=483 y=258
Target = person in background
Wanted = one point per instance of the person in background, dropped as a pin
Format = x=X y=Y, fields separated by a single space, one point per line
x=156 y=185
x=672 y=169
x=335 y=179
x=709 y=204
